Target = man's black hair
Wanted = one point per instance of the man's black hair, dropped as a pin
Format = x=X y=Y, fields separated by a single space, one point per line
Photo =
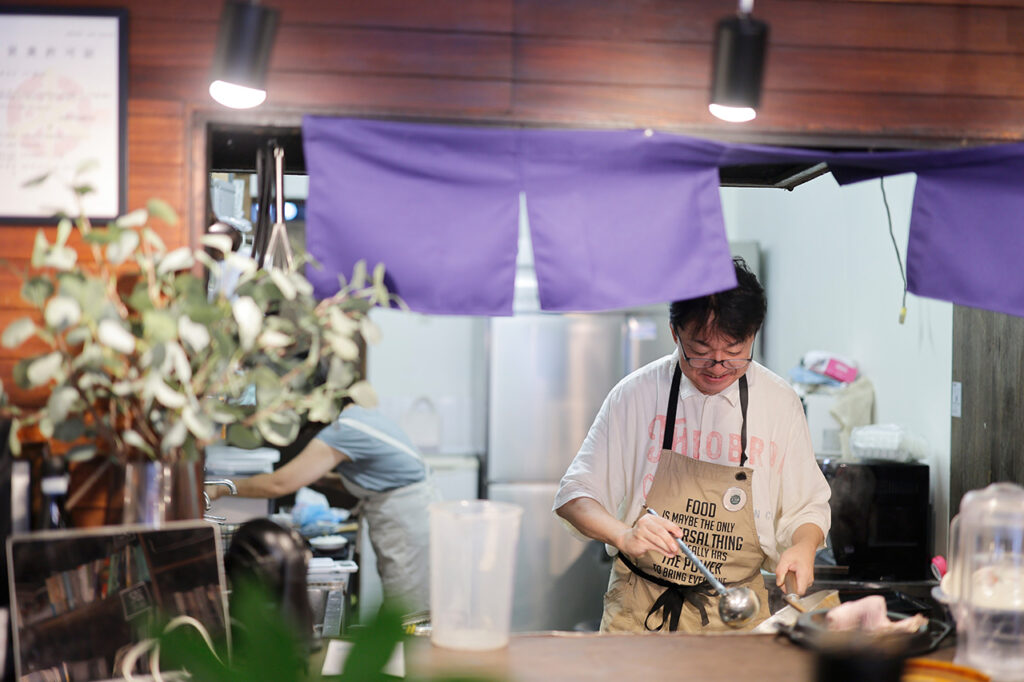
x=737 y=313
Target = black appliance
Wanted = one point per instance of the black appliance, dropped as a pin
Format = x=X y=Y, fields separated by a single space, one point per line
x=881 y=519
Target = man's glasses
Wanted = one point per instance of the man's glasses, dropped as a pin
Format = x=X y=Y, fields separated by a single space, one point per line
x=708 y=363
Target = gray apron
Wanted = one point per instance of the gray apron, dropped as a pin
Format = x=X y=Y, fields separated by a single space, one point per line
x=399 y=528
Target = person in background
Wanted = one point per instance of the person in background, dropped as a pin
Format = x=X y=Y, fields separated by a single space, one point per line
x=378 y=464
x=718 y=447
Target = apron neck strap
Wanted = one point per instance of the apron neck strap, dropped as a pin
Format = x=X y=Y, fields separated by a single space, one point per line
x=670 y=411
x=673 y=402
x=744 y=395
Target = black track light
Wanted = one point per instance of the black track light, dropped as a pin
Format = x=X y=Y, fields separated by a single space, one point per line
x=244 y=41
x=739 y=53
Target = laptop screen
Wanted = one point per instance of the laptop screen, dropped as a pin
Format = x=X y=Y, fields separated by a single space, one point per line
x=80 y=599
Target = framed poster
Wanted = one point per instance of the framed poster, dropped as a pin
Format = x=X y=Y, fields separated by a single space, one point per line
x=63 y=106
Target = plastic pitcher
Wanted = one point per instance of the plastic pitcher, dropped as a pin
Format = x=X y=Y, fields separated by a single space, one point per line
x=989 y=565
x=472 y=557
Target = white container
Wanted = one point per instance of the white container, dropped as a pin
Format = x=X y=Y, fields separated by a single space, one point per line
x=988 y=565
x=472 y=558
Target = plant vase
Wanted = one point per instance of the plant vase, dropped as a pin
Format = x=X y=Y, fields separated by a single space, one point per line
x=156 y=492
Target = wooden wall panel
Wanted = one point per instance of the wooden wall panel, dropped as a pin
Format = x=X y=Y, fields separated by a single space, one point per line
x=788 y=68
x=458 y=15
x=190 y=44
x=820 y=24
x=988 y=361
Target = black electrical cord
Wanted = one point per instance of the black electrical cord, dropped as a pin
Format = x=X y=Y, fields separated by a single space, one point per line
x=899 y=260
x=265 y=184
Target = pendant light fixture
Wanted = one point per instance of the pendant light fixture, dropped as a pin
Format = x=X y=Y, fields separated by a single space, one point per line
x=244 y=41
x=739 y=52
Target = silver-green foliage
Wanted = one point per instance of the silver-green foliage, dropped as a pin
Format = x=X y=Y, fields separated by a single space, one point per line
x=140 y=360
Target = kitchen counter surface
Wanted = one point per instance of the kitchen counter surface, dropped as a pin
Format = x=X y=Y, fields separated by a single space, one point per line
x=571 y=656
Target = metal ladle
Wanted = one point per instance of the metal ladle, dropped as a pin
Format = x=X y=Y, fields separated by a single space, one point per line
x=737 y=605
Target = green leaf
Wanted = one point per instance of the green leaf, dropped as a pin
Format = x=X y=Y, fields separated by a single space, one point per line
x=20 y=373
x=280 y=428
x=83 y=189
x=158 y=326
x=114 y=335
x=153 y=239
x=372 y=646
x=179 y=259
x=87 y=166
x=36 y=290
x=133 y=439
x=76 y=336
x=60 y=402
x=62 y=312
x=70 y=430
x=18 y=332
x=199 y=425
x=158 y=208
x=286 y=288
x=43 y=369
x=13 y=443
x=39 y=249
x=121 y=249
x=100 y=237
x=36 y=181
x=63 y=231
x=223 y=413
x=81 y=453
x=218 y=242
x=244 y=437
x=378 y=276
x=60 y=258
x=359 y=275
x=139 y=298
x=174 y=438
x=90 y=358
x=194 y=335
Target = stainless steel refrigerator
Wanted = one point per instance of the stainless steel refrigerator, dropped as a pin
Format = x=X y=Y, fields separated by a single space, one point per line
x=549 y=374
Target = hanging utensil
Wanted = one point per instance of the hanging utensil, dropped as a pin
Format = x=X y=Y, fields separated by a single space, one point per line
x=279 y=250
x=737 y=605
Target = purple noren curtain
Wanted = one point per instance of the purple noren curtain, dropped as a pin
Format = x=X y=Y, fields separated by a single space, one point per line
x=438 y=209
x=618 y=218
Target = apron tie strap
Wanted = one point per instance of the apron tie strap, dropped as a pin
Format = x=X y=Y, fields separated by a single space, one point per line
x=671 y=601
x=671 y=604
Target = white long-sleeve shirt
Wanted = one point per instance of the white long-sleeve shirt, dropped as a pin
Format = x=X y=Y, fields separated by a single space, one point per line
x=616 y=463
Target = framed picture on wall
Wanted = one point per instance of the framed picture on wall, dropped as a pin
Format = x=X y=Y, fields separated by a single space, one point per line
x=63 y=106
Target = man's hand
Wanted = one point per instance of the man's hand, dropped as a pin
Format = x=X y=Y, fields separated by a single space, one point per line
x=650 y=533
x=799 y=559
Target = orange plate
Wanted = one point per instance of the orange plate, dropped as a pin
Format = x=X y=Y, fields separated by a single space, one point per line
x=927 y=670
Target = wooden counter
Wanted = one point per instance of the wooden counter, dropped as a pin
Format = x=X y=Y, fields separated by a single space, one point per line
x=547 y=657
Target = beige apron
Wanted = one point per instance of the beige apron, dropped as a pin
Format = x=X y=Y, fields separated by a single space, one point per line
x=713 y=505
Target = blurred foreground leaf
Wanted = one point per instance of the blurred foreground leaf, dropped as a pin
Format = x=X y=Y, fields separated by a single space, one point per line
x=266 y=648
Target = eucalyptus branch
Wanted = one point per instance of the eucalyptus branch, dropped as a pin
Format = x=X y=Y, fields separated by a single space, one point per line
x=102 y=428
x=139 y=423
x=105 y=382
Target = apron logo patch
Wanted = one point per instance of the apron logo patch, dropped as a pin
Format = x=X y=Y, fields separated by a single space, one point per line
x=734 y=499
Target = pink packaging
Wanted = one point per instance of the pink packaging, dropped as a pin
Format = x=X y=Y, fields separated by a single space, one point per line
x=840 y=371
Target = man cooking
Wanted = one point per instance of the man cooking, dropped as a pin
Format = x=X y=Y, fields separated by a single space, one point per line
x=378 y=465
x=718 y=446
